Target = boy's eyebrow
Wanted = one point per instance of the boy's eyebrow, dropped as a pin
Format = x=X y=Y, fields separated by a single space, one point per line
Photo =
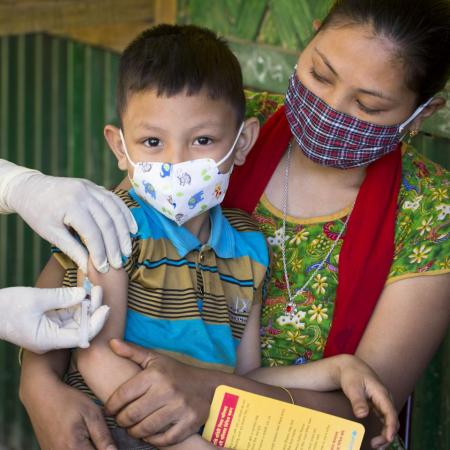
x=208 y=123
x=148 y=126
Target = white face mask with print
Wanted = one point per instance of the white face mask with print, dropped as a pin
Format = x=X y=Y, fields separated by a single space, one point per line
x=184 y=190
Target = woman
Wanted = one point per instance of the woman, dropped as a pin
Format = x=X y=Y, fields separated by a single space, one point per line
x=335 y=194
x=49 y=205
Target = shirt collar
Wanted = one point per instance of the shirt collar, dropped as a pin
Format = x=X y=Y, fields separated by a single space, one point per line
x=221 y=239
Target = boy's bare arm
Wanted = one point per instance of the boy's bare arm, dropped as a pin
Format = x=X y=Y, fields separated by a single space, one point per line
x=347 y=372
x=102 y=370
x=194 y=442
x=249 y=350
x=321 y=375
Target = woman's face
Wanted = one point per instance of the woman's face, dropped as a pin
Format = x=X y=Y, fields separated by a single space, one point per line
x=357 y=73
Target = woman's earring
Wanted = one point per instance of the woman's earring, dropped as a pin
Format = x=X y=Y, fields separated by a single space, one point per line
x=412 y=133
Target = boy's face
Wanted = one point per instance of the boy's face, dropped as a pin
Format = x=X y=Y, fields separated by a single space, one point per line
x=179 y=128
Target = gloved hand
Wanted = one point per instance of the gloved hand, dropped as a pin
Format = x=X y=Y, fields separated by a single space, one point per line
x=28 y=316
x=51 y=204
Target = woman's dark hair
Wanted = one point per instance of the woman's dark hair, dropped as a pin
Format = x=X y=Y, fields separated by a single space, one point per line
x=174 y=58
x=419 y=28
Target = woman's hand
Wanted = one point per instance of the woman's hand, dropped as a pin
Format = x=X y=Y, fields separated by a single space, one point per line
x=166 y=402
x=360 y=384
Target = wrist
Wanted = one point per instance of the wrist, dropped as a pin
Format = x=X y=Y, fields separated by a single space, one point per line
x=339 y=362
x=12 y=186
x=211 y=379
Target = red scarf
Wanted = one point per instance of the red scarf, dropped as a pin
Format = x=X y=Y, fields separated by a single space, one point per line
x=368 y=249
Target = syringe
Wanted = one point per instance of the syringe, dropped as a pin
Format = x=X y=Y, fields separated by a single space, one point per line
x=84 y=321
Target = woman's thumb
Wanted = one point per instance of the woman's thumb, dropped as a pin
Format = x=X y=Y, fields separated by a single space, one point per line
x=137 y=354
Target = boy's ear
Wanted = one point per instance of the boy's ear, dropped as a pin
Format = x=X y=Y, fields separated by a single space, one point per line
x=246 y=140
x=112 y=136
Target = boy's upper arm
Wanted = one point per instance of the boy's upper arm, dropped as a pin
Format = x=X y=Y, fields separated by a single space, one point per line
x=52 y=275
x=114 y=284
x=248 y=352
x=261 y=289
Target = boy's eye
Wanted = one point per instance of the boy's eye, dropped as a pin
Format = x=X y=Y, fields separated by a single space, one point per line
x=367 y=110
x=318 y=77
x=152 y=142
x=203 y=140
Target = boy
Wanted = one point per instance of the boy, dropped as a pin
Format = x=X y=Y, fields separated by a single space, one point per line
x=195 y=280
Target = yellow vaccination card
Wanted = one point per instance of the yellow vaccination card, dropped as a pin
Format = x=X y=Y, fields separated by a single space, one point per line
x=241 y=420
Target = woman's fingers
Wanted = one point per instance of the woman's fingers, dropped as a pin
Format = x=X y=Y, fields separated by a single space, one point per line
x=384 y=406
x=172 y=435
x=99 y=433
x=125 y=395
x=358 y=399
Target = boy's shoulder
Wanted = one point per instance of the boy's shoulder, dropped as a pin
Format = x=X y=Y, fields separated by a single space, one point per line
x=125 y=196
x=240 y=220
x=249 y=239
x=238 y=228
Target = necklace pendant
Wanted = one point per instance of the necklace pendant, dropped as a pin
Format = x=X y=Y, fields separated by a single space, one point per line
x=290 y=308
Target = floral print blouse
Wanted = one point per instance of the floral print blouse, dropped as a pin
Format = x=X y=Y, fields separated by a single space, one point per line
x=422 y=247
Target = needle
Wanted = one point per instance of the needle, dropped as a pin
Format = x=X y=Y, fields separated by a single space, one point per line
x=84 y=331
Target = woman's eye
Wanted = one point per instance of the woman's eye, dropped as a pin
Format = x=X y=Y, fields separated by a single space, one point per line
x=317 y=77
x=152 y=142
x=366 y=109
x=203 y=140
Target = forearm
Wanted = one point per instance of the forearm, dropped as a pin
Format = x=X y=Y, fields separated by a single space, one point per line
x=62 y=417
x=102 y=370
x=41 y=370
x=194 y=442
x=8 y=173
x=321 y=375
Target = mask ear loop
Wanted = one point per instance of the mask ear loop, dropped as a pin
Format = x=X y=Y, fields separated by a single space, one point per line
x=125 y=148
x=414 y=115
x=232 y=147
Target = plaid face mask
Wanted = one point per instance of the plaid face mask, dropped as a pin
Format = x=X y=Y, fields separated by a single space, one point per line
x=334 y=139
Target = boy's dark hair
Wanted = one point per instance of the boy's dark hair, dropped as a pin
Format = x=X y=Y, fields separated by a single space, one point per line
x=175 y=58
x=419 y=28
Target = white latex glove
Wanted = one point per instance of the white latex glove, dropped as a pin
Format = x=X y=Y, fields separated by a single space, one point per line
x=51 y=204
x=28 y=316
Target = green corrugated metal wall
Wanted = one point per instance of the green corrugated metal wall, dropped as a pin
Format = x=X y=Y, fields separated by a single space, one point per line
x=55 y=97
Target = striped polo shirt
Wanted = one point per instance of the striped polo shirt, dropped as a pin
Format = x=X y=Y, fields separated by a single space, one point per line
x=187 y=299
